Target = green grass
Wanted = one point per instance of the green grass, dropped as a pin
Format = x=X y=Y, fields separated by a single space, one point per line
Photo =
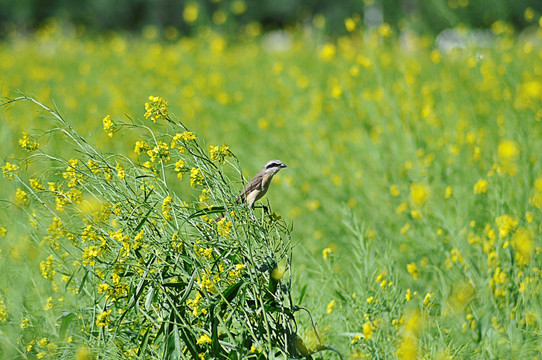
x=373 y=133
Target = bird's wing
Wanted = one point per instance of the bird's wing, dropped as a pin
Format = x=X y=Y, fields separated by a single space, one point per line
x=254 y=184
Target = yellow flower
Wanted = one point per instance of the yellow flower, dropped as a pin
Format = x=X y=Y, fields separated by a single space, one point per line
x=529 y=14
x=83 y=353
x=89 y=255
x=47 y=268
x=327 y=52
x=508 y=153
x=414 y=321
x=166 y=207
x=204 y=339
x=156 y=109
x=326 y=252
x=415 y=214
x=455 y=258
x=188 y=136
x=405 y=228
x=190 y=12
x=179 y=168
x=204 y=196
x=219 y=153
x=20 y=197
x=224 y=227
x=25 y=323
x=196 y=178
x=394 y=191
x=350 y=24
x=506 y=224
x=330 y=306
x=121 y=173
x=524 y=245
x=35 y=184
x=49 y=304
x=108 y=125
x=408 y=348
x=141 y=147
x=238 y=7
x=356 y=338
x=3 y=311
x=93 y=166
x=9 y=171
x=102 y=288
x=480 y=187
x=419 y=194
x=27 y=143
x=368 y=330
x=536 y=198
x=428 y=300
x=385 y=30
x=448 y=192
x=401 y=208
x=413 y=270
x=160 y=151
x=435 y=56
x=103 y=319
x=530 y=317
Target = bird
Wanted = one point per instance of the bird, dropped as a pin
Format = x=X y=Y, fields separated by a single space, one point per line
x=257 y=187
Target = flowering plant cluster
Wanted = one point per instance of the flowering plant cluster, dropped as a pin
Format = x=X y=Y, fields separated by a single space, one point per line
x=152 y=272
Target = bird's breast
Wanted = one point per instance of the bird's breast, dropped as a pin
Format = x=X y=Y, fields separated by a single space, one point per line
x=266 y=180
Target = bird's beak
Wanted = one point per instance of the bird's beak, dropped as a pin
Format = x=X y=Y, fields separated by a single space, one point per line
x=283 y=165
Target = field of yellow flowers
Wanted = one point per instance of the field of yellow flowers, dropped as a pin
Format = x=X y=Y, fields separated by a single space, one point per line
x=413 y=188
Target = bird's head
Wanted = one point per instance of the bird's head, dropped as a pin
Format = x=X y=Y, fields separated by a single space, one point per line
x=273 y=166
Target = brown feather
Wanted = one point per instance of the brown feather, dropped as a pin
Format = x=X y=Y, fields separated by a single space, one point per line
x=258 y=185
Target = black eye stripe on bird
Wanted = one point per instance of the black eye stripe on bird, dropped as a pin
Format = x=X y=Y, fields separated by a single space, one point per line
x=274 y=163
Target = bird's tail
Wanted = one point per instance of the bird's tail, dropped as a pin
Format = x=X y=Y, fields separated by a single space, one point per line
x=220 y=217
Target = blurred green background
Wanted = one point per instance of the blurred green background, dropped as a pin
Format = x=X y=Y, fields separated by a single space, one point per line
x=400 y=150
x=428 y=16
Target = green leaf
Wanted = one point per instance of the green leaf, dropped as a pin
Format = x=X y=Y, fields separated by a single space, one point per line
x=142 y=221
x=149 y=298
x=141 y=284
x=144 y=342
x=302 y=295
x=207 y=211
x=83 y=282
x=177 y=341
x=69 y=281
x=175 y=285
x=188 y=288
x=340 y=295
x=215 y=345
x=67 y=319
x=190 y=342
x=231 y=292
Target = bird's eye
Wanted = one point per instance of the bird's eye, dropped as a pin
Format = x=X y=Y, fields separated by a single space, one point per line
x=269 y=166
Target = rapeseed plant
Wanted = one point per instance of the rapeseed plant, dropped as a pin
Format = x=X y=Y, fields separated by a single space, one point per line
x=150 y=272
x=419 y=164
